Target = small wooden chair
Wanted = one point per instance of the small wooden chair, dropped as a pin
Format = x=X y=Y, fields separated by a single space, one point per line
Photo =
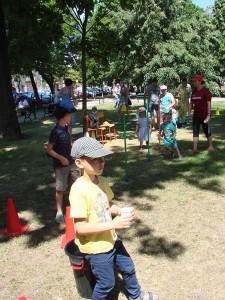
x=95 y=130
x=101 y=116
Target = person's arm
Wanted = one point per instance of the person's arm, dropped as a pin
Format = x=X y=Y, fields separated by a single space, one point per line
x=136 y=128
x=208 y=112
x=190 y=108
x=85 y=228
x=64 y=161
x=150 y=126
x=173 y=102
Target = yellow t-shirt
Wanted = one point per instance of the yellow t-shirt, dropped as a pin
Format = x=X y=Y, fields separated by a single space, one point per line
x=91 y=201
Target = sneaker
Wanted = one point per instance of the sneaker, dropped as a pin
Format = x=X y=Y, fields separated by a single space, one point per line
x=210 y=149
x=117 y=123
x=128 y=123
x=180 y=156
x=193 y=151
x=59 y=217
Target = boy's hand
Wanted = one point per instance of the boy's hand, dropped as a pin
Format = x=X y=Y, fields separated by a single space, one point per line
x=120 y=222
x=64 y=161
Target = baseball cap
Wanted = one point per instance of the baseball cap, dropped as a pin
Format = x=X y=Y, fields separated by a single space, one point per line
x=87 y=146
x=163 y=87
x=197 y=78
x=62 y=111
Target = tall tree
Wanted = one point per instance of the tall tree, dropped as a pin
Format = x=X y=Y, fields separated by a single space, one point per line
x=9 y=126
x=219 y=20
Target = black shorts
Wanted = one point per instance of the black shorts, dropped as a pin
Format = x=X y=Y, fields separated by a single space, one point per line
x=153 y=107
x=205 y=127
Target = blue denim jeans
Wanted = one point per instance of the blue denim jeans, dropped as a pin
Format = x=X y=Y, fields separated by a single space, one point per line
x=102 y=266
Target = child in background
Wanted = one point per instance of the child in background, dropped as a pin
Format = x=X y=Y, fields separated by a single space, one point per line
x=93 y=119
x=59 y=147
x=92 y=209
x=143 y=128
x=168 y=134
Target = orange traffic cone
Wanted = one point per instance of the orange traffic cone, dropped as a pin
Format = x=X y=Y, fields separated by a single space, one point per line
x=22 y=298
x=70 y=232
x=14 y=227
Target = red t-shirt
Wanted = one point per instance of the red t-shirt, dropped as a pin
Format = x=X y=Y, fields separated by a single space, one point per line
x=199 y=101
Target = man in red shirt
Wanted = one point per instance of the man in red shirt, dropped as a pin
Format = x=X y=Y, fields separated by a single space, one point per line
x=201 y=104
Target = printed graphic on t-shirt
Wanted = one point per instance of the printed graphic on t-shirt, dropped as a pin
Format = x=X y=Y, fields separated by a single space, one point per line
x=102 y=208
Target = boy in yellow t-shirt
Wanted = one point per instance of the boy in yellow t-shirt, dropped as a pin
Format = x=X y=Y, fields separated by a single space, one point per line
x=91 y=208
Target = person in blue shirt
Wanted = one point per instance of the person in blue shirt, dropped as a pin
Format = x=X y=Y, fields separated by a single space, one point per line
x=68 y=100
x=168 y=134
x=167 y=101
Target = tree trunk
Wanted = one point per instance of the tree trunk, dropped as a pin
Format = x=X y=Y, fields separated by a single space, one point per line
x=9 y=125
x=37 y=98
x=49 y=79
x=84 y=71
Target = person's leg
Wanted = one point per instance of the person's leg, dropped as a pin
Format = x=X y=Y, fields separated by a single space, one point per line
x=102 y=266
x=196 y=128
x=119 y=115
x=128 y=114
x=61 y=175
x=207 y=131
x=58 y=200
x=126 y=267
x=181 y=112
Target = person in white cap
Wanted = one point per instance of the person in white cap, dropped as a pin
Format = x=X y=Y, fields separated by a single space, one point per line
x=91 y=208
x=167 y=101
x=201 y=105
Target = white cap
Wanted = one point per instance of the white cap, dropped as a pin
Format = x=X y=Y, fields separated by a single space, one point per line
x=163 y=87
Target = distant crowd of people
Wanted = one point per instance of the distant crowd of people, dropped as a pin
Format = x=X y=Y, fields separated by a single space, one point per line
x=166 y=112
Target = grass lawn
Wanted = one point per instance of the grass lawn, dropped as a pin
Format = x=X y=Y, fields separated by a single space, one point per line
x=177 y=241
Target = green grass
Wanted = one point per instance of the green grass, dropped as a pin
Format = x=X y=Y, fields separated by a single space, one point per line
x=26 y=173
x=178 y=204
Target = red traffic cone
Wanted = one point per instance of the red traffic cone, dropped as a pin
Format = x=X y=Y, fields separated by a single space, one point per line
x=22 y=298
x=70 y=232
x=14 y=227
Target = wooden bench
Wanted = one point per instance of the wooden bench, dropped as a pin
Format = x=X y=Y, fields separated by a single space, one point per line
x=140 y=96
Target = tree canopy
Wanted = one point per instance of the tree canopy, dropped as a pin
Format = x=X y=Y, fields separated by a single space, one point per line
x=101 y=40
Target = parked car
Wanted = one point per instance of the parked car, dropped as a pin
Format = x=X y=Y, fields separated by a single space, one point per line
x=97 y=91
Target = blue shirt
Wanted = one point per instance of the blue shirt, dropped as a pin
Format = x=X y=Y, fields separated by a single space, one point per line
x=168 y=134
x=165 y=101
